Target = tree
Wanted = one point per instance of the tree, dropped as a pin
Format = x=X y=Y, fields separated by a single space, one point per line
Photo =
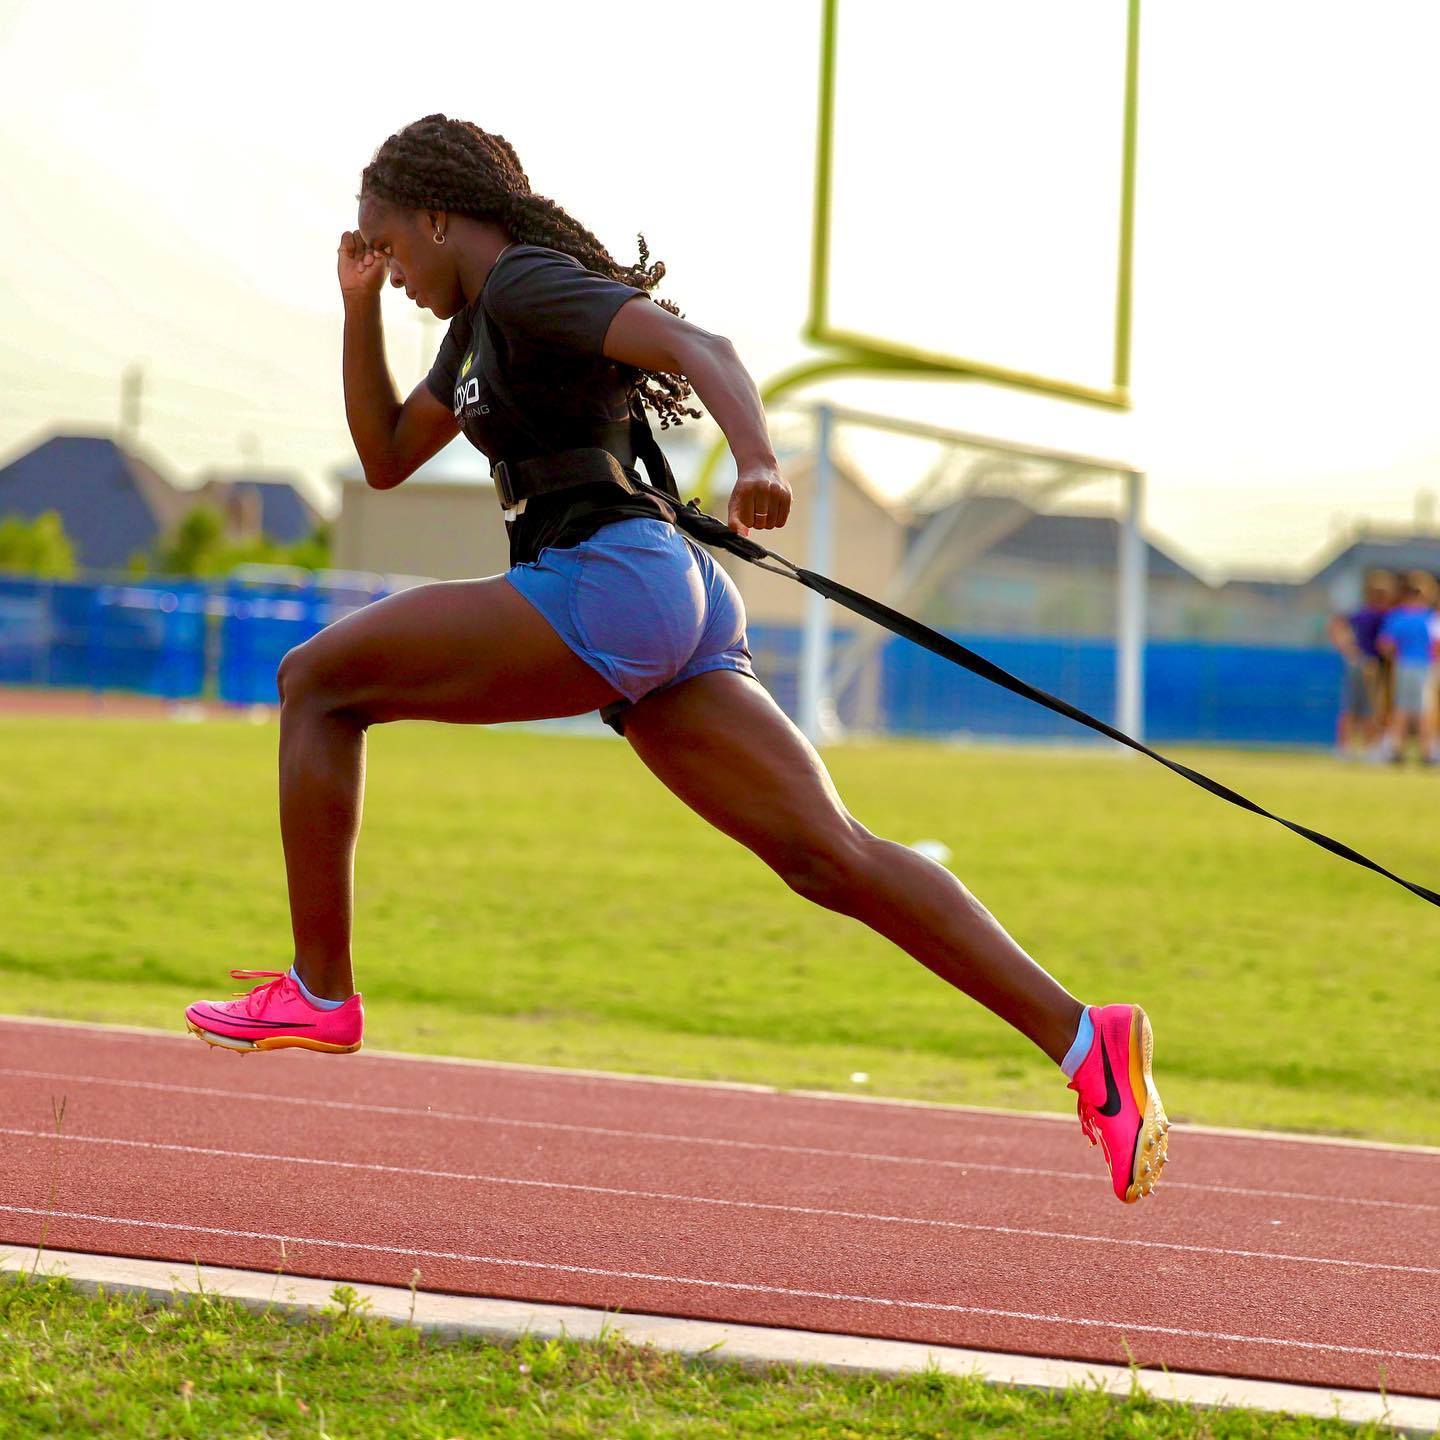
x=37 y=547
x=313 y=552
x=196 y=546
x=199 y=548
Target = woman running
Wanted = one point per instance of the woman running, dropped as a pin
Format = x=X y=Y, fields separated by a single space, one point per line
x=607 y=606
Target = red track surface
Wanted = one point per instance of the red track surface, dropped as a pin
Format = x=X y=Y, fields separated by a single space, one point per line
x=45 y=700
x=1261 y=1257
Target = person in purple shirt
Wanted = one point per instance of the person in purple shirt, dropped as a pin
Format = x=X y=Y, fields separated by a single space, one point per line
x=1407 y=635
x=1364 y=695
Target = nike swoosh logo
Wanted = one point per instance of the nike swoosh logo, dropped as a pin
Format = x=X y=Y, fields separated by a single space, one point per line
x=1111 y=1107
x=265 y=1024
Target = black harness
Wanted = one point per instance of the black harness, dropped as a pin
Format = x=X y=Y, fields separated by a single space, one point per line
x=609 y=454
x=518 y=480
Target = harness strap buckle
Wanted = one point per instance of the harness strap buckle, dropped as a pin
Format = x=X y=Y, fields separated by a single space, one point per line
x=504 y=485
x=558 y=470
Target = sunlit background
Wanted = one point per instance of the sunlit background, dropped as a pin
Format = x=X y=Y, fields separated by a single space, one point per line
x=175 y=179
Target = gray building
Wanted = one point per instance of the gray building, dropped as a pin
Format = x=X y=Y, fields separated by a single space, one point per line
x=1341 y=577
x=1015 y=570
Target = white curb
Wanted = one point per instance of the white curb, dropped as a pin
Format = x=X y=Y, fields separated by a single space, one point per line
x=750 y=1345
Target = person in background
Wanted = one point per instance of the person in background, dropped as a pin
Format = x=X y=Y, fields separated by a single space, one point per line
x=1407 y=636
x=1364 y=696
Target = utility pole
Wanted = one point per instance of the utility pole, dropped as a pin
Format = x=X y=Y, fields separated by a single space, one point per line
x=1425 y=511
x=814 y=700
x=132 y=381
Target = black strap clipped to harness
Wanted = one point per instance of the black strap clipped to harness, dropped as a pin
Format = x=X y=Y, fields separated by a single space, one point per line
x=558 y=470
x=706 y=528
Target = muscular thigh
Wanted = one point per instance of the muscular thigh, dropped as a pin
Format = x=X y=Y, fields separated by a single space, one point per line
x=466 y=651
x=721 y=743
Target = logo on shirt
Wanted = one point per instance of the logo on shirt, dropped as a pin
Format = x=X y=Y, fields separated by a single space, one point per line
x=467 y=392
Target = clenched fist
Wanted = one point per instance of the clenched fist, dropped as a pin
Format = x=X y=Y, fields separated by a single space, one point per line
x=362 y=270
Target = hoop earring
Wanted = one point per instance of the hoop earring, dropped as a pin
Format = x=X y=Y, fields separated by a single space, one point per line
x=438 y=238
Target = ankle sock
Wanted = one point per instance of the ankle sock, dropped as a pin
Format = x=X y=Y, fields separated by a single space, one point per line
x=314 y=999
x=1080 y=1046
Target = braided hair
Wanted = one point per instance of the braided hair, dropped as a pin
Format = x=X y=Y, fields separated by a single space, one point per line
x=442 y=164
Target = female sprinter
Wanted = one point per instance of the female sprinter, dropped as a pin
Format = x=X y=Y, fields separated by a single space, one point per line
x=607 y=606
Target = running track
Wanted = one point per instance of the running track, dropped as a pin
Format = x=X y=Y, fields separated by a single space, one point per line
x=1271 y=1258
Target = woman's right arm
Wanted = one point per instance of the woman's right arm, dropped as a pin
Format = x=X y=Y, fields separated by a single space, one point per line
x=391 y=439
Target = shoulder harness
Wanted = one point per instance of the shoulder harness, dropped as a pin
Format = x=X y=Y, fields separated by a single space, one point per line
x=611 y=455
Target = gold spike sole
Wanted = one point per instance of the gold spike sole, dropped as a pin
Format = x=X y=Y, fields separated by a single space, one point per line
x=279 y=1042
x=1152 y=1148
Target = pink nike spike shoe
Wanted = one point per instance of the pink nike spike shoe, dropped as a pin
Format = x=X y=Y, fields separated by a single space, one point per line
x=276 y=1016
x=1118 y=1104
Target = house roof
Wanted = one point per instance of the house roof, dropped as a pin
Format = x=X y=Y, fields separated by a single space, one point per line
x=112 y=502
x=285 y=514
x=1395 y=550
x=1088 y=542
x=1263 y=587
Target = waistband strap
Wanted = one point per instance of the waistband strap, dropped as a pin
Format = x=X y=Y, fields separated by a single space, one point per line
x=524 y=479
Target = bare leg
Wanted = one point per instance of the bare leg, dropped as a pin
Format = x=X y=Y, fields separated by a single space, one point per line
x=1372 y=724
x=720 y=743
x=1399 y=732
x=464 y=651
x=322 y=792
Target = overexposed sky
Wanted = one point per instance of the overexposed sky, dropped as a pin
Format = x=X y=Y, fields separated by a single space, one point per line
x=174 y=179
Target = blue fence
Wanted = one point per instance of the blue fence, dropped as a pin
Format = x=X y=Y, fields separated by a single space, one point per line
x=183 y=641
x=1231 y=694
x=224 y=641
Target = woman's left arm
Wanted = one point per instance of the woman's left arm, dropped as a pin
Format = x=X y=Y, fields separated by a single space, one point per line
x=651 y=338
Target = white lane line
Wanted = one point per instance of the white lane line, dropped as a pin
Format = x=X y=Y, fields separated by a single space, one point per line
x=750 y=1289
x=1391 y=1150
x=920 y=1220
x=410 y=1112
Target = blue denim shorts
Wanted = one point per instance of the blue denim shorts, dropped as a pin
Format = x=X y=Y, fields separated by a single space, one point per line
x=643 y=604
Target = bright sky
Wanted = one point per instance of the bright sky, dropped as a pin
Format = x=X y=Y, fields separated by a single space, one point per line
x=174 y=179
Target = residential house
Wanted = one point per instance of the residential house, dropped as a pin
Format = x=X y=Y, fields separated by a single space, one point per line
x=113 y=500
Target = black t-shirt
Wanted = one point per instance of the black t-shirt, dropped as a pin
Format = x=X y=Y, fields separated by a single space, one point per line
x=545 y=318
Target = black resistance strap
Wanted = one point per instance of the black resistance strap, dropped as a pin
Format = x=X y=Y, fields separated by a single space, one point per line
x=710 y=531
x=696 y=523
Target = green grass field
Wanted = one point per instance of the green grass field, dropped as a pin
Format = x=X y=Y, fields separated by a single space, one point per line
x=541 y=898
x=120 y=1366
x=538 y=898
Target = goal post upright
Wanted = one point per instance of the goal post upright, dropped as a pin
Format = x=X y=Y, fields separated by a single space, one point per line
x=1130 y=621
x=843 y=350
x=814 y=701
